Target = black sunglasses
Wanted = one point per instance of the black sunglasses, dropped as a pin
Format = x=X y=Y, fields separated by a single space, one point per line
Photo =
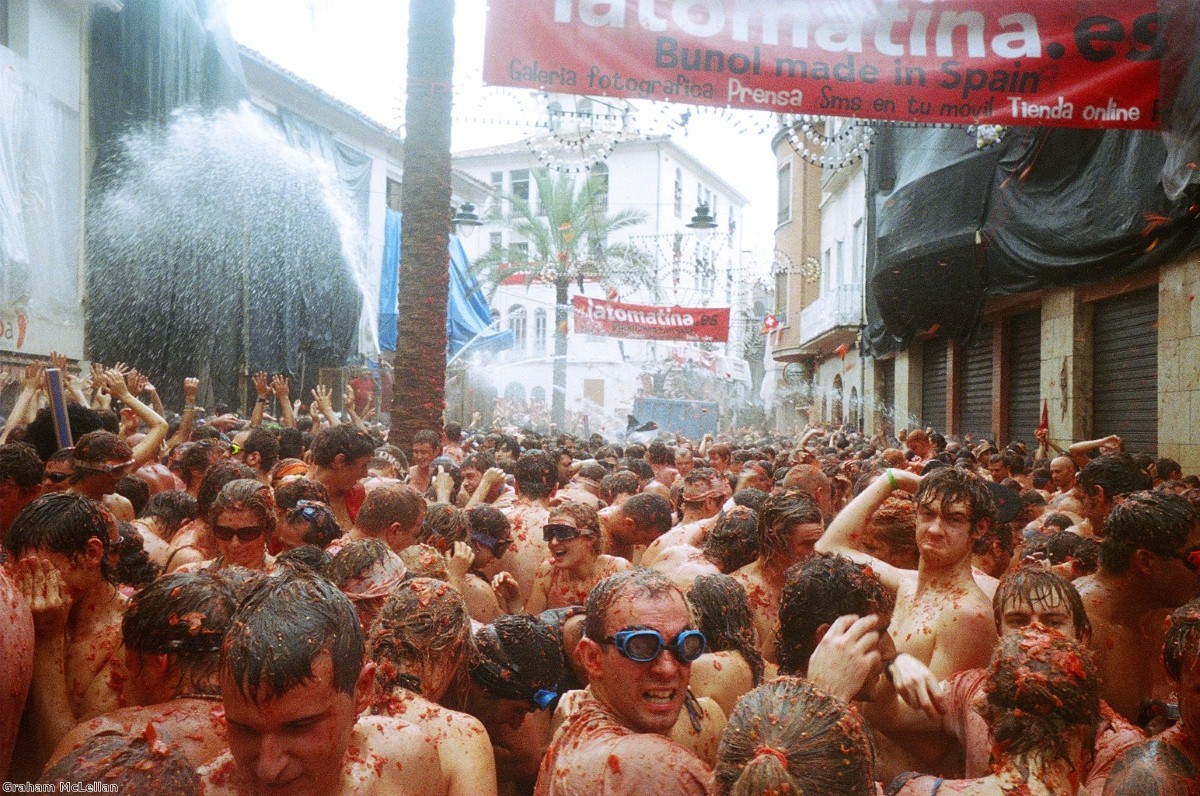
x=249 y=534
x=563 y=533
x=645 y=644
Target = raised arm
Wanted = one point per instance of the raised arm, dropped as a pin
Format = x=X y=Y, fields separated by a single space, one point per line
x=260 y=405
x=323 y=398
x=844 y=533
x=348 y=405
x=31 y=383
x=1080 y=450
x=187 y=418
x=147 y=450
x=287 y=415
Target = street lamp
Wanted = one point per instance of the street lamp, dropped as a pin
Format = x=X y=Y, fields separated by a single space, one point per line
x=703 y=222
x=466 y=220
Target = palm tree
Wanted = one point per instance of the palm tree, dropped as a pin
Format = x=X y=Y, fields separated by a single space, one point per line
x=567 y=233
x=419 y=397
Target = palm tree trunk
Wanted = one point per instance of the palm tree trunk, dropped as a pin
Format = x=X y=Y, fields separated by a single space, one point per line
x=558 y=403
x=420 y=367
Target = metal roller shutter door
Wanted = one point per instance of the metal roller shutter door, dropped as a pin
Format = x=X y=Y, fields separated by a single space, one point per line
x=887 y=397
x=933 y=385
x=1025 y=376
x=1125 y=368
x=976 y=399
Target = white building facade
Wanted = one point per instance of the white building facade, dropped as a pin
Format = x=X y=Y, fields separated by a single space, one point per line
x=665 y=183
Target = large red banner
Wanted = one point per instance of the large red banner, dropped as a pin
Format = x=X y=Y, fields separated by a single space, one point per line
x=645 y=322
x=1084 y=63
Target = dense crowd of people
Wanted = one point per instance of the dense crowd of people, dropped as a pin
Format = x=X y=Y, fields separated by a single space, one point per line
x=208 y=603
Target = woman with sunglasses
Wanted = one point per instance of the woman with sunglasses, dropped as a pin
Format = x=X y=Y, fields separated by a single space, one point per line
x=241 y=519
x=576 y=564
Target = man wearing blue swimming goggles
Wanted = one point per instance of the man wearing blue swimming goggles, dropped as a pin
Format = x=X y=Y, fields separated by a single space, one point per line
x=638 y=647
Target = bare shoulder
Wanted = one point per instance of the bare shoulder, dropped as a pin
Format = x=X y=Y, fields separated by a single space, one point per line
x=1156 y=767
x=613 y=564
x=401 y=757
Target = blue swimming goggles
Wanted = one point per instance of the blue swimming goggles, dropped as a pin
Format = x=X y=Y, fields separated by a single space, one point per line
x=644 y=645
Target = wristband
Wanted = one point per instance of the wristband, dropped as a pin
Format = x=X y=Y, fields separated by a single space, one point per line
x=891 y=478
x=189 y=407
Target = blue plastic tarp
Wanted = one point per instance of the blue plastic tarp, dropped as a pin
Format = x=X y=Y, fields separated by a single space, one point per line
x=468 y=317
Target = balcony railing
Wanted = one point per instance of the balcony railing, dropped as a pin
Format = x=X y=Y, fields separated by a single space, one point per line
x=841 y=306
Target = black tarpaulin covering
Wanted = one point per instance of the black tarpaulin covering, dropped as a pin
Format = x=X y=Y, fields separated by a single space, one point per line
x=1052 y=208
x=1180 y=87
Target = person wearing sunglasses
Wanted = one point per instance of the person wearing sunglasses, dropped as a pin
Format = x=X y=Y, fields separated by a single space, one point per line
x=637 y=650
x=58 y=471
x=487 y=589
x=242 y=518
x=308 y=522
x=576 y=564
x=1149 y=563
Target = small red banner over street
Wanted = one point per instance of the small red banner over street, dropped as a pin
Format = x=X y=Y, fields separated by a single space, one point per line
x=645 y=322
x=1087 y=63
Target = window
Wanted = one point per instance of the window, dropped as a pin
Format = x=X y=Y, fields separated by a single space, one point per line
x=539 y=331
x=583 y=107
x=3 y=23
x=520 y=252
x=555 y=112
x=537 y=395
x=841 y=262
x=827 y=283
x=712 y=206
x=520 y=184
x=395 y=189
x=859 y=253
x=516 y=325
x=600 y=185
x=679 y=193
x=497 y=191
x=785 y=194
x=781 y=297
x=496 y=240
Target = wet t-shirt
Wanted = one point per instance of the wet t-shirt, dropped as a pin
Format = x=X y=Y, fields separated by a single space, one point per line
x=592 y=754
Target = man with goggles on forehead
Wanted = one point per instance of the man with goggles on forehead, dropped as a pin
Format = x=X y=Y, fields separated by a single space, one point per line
x=638 y=647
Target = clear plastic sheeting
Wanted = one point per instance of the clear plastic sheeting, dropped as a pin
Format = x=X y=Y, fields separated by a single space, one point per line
x=40 y=198
x=1181 y=97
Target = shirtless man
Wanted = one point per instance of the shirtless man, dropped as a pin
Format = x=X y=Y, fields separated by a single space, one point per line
x=20 y=480
x=292 y=709
x=789 y=525
x=391 y=513
x=1026 y=597
x=701 y=500
x=1169 y=763
x=730 y=544
x=636 y=523
x=576 y=564
x=58 y=544
x=16 y=650
x=942 y=618
x=1149 y=563
x=484 y=483
x=638 y=647
x=1102 y=484
x=809 y=478
x=535 y=477
x=172 y=669
x=426 y=446
x=340 y=457
x=419 y=645
x=101 y=459
x=1062 y=474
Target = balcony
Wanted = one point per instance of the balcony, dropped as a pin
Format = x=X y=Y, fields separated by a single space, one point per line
x=831 y=320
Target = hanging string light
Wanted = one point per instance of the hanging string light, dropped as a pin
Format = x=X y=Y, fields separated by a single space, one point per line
x=844 y=148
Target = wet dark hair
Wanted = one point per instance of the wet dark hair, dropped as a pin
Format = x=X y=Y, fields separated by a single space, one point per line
x=515 y=657
x=356 y=558
x=1117 y=473
x=289 y=493
x=289 y=605
x=490 y=521
x=749 y=497
x=1030 y=583
x=623 y=482
x=133 y=564
x=639 y=467
x=1182 y=646
x=323 y=527
x=640 y=582
x=428 y=436
x=172 y=509
x=215 y=480
x=60 y=522
x=722 y=612
x=1040 y=686
x=291 y=444
x=41 y=435
x=949 y=484
x=20 y=464
x=345 y=439
x=101 y=446
x=648 y=511
x=586 y=517
x=263 y=442
x=508 y=443
x=451 y=469
x=480 y=460
x=185 y=615
x=130 y=765
x=136 y=491
x=1057 y=520
x=1062 y=547
x=387 y=504
x=779 y=514
x=816 y=592
x=245 y=494
x=1156 y=521
x=732 y=541
x=444 y=525
x=1168 y=469
x=657 y=452
x=196 y=459
x=535 y=474
x=423 y=620
x=789 y=736
x=305 y=558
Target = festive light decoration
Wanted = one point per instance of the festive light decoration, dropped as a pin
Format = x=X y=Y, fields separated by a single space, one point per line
x=844 y=148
